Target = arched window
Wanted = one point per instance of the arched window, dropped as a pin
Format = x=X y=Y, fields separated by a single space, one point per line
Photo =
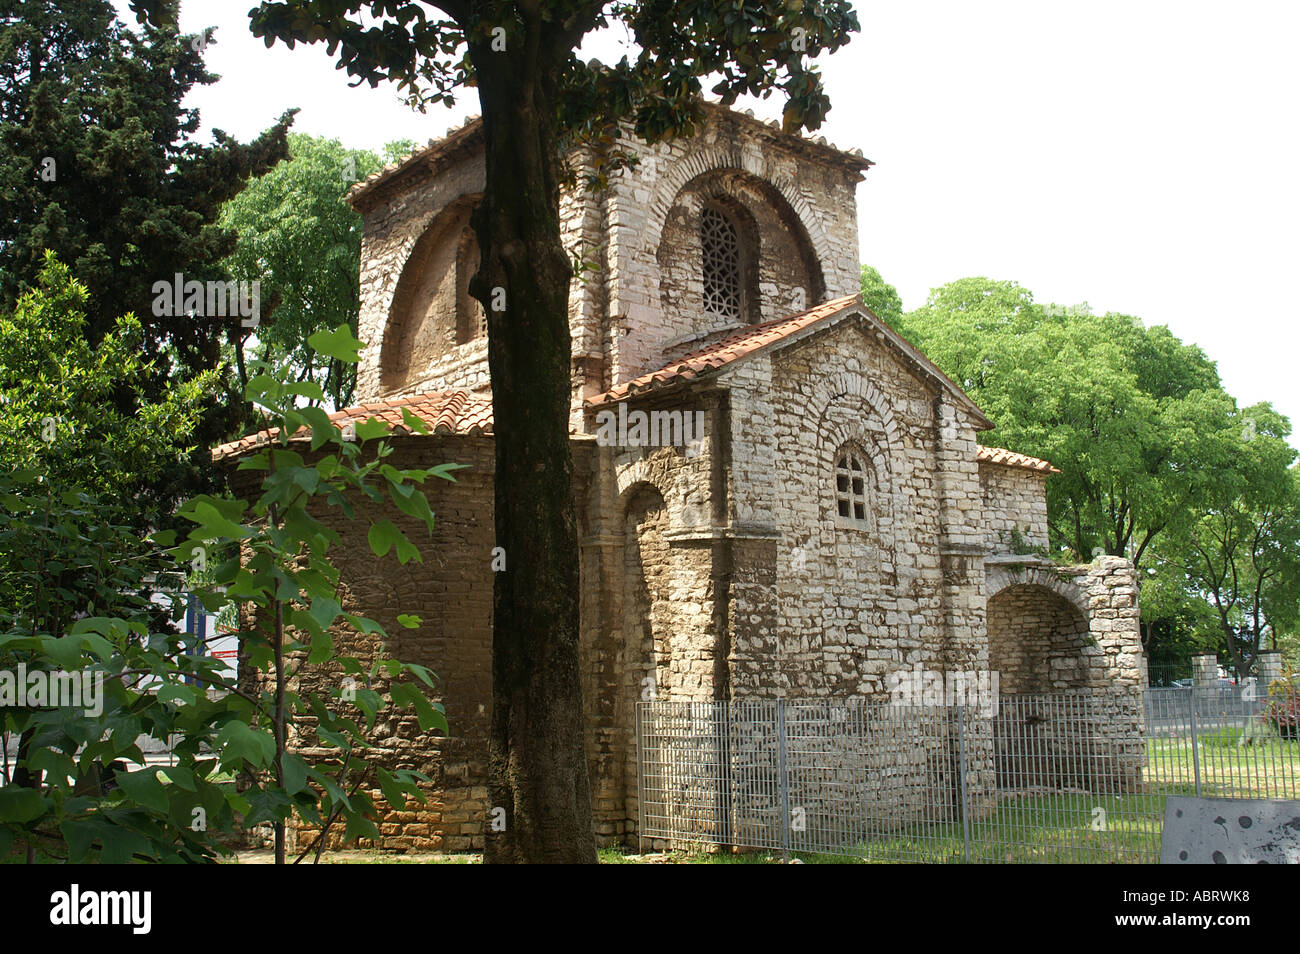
x=720 y=247
x=852 y=494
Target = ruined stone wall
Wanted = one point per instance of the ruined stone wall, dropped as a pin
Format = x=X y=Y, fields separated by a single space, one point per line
x=1066 y=645
x=1037 y=641
x=1103 y=594
x=1014 y=505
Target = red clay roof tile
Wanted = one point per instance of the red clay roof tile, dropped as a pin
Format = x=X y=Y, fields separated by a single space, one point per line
x=446 y=412
x=460 y=412
x=724 y=351
x=1000 y=455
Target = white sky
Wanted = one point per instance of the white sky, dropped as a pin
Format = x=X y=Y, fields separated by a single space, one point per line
x=1134 y=155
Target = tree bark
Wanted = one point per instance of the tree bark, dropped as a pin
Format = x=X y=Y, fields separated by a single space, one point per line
x=538 y=760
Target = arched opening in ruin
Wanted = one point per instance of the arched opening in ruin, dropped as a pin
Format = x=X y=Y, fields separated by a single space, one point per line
x=1036 y=641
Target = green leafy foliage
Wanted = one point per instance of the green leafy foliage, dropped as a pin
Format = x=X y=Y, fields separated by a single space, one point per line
x=744 y=48
x=881 y=297
x=1158 y=462
x=128 y=673
x=80 y=411
x=286 y=580
x=299 y=238
x=130 y=198
x=80 y=788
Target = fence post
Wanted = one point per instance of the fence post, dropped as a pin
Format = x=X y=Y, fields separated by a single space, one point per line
x=785 y=788
x=1196 y=759
x=961 y=774
x=640 y=777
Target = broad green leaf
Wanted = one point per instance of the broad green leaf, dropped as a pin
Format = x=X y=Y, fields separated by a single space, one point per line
x=144 y=787
x=295 y=773
x=240 y=742
x=382 y=536
x=391 y=788
x=20 y=805
x=371 y=429
x=339 y=344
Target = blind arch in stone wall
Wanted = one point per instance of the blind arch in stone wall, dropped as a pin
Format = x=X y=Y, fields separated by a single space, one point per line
x=431 y=313
x=852 y=412
x=1039 y=641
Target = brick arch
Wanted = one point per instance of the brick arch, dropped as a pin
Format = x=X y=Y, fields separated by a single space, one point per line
x=852 y=382
x=714 y=159
x=639 y=475
x=1001 y=577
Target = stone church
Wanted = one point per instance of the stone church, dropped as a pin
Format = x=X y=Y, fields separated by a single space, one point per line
x=778 y=495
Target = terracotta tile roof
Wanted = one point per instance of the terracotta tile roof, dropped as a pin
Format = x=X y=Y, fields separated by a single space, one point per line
x=446 y=412
x=1007 y=458
x=749 y=340
x=724 y=351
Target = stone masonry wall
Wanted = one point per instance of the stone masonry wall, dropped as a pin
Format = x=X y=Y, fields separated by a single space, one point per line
x=649 y=616
x=1015 y=504
x=391 y=229
x=451 y=590
x=1070 y=633
x=803 y=190
x=799 y=194
x=781 y=275
x=847 y=605
x=1104 y=593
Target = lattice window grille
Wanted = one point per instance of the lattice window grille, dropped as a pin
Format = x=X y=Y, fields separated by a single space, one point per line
x=720 y=244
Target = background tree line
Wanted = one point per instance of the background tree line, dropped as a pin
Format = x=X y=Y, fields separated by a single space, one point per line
x=1158 y=462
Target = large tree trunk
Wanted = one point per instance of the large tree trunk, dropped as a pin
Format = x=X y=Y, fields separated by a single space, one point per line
x=538 y=758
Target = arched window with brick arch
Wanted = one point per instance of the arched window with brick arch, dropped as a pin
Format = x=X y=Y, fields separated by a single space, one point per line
x=854 y=477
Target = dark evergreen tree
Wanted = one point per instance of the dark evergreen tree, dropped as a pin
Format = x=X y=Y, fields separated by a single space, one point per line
x=100 y=166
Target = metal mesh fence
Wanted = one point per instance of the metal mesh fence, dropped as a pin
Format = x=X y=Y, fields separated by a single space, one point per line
x=1073 y=777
